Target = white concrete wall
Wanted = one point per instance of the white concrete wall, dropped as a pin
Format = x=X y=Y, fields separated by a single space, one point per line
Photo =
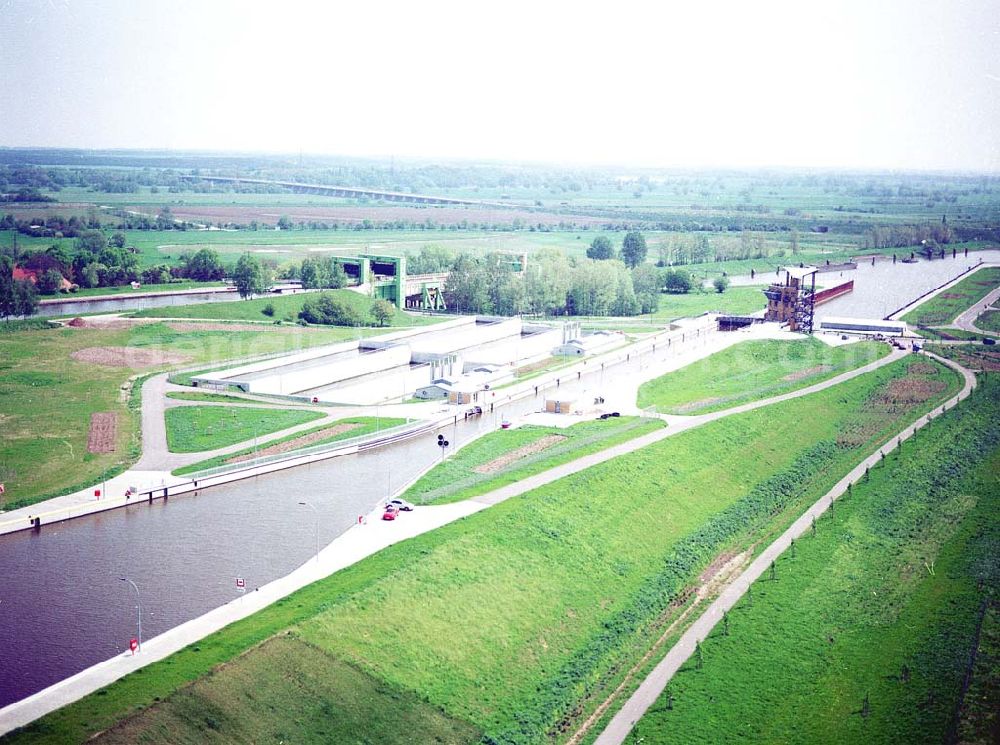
x=292 y=381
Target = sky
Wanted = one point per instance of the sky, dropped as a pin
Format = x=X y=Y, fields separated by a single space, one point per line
x=873 y=84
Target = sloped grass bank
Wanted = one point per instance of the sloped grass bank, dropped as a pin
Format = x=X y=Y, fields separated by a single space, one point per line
x=366 y=425
x=286 y=307
x=753 y=370
x=945 y=307
x=865 y=635
x=514 y=619
x=192 y=429
x=320 y=699
x=456 y=478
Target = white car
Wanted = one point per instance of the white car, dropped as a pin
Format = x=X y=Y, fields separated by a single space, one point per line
x=401 y=504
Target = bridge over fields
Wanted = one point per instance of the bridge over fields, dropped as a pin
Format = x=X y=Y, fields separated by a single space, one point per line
x=350 y=192
x=387 y=278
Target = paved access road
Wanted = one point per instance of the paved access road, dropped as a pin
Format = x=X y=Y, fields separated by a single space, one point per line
x=651 y=688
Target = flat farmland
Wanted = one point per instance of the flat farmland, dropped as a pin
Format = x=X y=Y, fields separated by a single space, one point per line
x=376 y=213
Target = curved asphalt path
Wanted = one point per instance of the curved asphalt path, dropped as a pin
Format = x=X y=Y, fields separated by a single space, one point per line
x=651 y=688
x=967 y=321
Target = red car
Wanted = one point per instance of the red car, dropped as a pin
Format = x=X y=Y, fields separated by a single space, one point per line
x=390 y=512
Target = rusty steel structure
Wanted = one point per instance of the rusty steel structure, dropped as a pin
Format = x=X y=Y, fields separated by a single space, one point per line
x=794 y=300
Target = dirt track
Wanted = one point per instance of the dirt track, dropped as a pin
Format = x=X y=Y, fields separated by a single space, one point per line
x=298 y=442
x=504 y=460
x=132 y=357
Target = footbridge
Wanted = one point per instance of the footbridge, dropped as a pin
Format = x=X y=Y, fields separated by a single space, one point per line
x=350 y=192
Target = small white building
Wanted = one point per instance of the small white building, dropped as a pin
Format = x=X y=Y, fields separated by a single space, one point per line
x=462 y=389
x=588 y=345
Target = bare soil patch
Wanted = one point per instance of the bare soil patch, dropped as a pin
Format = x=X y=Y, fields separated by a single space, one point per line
x=498 y=464
x=103 y=432
x=695 y=405
x=808 y=372
x=912 y=390
x=298 y=442
x=132 y=357
x=108 y=324
x=195 y=326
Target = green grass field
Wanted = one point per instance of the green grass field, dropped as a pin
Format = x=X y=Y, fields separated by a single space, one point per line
x=753 y=370
x=208 y=398
x=974 y=356
x=318 y=698
x=736 y=300
x=517 y=619
x=286 y=308
x=366 y=426
x=47 y=397
x=193 y=429
x=944 y=308
x=879 y=605
x=989 y=321
x=456 y=478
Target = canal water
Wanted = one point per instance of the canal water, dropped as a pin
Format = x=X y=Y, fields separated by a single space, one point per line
x=63 y=607
x=125 y=303
x=884 y=287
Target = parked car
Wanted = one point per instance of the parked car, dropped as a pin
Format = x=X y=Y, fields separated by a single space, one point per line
x=988 y=341
x=400 y=504
x=391 y=511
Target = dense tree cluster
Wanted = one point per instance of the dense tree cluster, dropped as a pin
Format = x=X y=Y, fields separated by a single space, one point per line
x=319 y=274
x=330 y=310
x=17 y=297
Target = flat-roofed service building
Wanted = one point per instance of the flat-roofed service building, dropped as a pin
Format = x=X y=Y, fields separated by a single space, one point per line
x=862 y=326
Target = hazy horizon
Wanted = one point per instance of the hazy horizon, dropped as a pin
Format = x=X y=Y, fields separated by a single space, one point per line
x=722 y=86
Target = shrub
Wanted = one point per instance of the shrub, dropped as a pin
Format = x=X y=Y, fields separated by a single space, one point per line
x=268 y=310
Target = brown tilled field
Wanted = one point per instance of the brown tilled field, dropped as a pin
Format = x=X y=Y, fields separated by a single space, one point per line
x=103 y=432
x=132 y=357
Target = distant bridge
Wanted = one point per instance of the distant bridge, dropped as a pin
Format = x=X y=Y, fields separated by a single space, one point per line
x=349 y=191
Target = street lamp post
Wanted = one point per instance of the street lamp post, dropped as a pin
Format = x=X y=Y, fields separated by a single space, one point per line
x=315 y=524
x=138 y=618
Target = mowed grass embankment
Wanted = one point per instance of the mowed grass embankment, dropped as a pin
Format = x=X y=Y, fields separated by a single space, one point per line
x=945 y=307
x=208 y=398
x=735 y=301
x=318 y=698
x=506 y=456
x=866 y=633
x=753 y=370
x=286 y=307
x=326 y=434
x=47 y=397
x=194 y=429
x=979 y=357
x=517 y=620
x=989 y=321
